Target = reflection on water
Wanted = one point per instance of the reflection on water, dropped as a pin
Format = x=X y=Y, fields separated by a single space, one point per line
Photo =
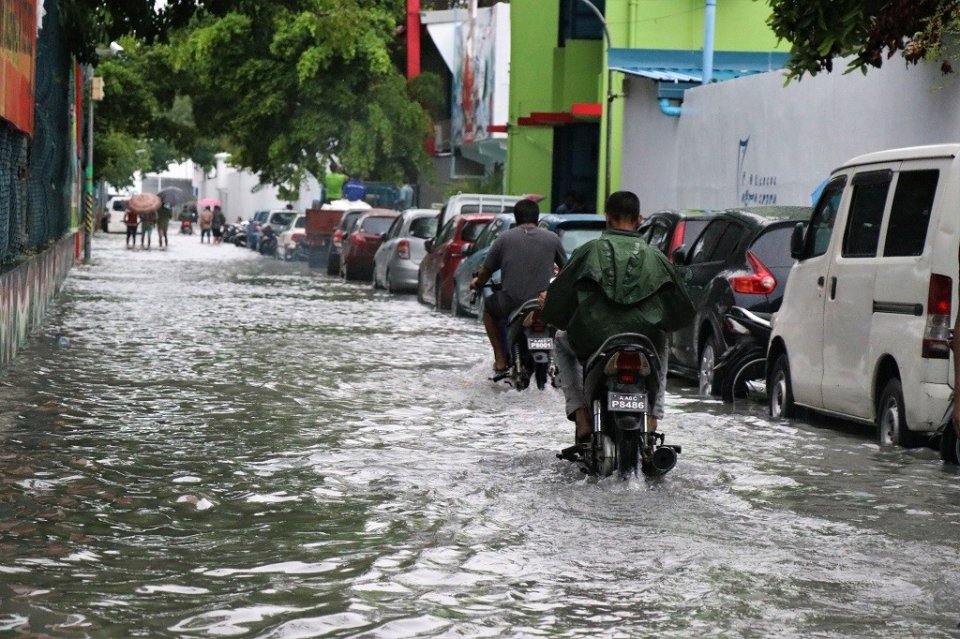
x=204 y=442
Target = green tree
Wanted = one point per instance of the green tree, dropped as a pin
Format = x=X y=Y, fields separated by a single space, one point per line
x=868 y=31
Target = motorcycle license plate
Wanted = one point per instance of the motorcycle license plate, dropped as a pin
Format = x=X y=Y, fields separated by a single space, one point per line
x=627 y=402
x=540 y=343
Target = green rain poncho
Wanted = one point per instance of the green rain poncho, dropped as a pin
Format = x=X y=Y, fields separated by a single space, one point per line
x=617 y=284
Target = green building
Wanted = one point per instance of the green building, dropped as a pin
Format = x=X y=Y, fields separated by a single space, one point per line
x=557 y=119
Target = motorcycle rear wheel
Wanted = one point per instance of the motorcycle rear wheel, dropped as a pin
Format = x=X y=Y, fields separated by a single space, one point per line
x=540 y=371
x=628 y=453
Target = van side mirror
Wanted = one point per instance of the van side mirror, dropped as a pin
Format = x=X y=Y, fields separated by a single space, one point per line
x=428 y=245
x=796 y=242
x=679 y=256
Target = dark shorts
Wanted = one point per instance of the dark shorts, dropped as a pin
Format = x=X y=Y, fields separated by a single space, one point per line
x=499 y=305
x=217 y=232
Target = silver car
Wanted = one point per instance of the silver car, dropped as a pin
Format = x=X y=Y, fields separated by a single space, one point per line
x=397 y=261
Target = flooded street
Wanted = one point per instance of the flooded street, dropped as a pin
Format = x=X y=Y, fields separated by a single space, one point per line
x=204 y=442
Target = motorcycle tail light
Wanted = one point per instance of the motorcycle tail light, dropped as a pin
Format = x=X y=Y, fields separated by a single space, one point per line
x=534 y=320
x=936 y=334
x=627 y=365
x=403 y=250
x=760 y=281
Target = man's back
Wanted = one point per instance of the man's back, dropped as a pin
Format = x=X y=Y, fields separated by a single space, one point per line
x=525 y=255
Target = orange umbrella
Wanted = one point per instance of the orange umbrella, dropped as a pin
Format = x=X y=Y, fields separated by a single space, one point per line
x=144 y=203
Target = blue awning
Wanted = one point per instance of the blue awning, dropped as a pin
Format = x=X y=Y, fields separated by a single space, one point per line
x=666 y=65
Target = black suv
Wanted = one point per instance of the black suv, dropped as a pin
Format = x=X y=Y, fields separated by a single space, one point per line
x=741 y=258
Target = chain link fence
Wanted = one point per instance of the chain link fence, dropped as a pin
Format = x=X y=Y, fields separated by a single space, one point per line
x=35 y=174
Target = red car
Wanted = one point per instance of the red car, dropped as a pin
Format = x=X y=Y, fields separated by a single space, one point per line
x=356 y=260
x=444 y=253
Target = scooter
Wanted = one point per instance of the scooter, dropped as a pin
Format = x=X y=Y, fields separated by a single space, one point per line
x=530 y=345
x=621 y=382
x=186 y=227
x=743 y=365
x=268 y=242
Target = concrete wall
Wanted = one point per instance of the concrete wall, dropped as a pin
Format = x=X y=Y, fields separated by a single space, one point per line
x=26 y=292
x=755 y=141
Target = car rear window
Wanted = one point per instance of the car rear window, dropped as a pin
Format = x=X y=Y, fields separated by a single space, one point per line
x=282 y=218
x=423 y=228
x=348 y=219
x=773 y=247
x=301 y=223
x=573 y=237
x=119 y=205
x=472 y=230
x=487 y=208
x=377 y=225
x=692 y=229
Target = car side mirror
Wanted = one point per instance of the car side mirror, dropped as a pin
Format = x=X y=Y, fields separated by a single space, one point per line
x=428 y=245
x=796 y=242
x=383 y=237
x=679 y=256
x=468 y=250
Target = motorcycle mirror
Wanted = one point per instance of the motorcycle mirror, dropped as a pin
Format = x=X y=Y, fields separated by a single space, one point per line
x=796 y=242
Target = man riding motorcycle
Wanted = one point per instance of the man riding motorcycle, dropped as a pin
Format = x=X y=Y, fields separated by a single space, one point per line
x=525 y=256
x=614 y=284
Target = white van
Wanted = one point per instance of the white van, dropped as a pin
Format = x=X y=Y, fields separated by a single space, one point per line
x=475 y=203
x=863 y=329
x=116 y=207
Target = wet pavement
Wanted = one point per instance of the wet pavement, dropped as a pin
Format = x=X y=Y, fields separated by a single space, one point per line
x=206 y=443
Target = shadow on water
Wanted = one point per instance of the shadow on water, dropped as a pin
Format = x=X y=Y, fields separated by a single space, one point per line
x=226 y=445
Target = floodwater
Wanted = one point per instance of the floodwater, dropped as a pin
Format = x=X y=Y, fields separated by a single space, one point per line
x=203 y=442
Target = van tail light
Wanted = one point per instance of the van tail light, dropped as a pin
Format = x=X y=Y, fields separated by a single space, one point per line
x=760 y=282
x=403 y=250
x=626 y=366
x=936 y=335
x=677 y=240
x=298 y=237
x=338 y=238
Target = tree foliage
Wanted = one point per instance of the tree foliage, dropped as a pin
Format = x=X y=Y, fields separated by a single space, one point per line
x=283 y=86
x=867 y=31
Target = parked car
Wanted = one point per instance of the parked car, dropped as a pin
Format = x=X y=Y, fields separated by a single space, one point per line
x=741 y=258
x=343 y=229
x=670 y=229
x=397 y=261
x=290 y=240
x=462 y=302
x=863 y=331
x=278 y=219
x=359 y=247
x=444 y=253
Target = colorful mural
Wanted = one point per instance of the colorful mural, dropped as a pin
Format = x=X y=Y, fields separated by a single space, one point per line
x=26 y=292
x=18 y=51
x=473 y=78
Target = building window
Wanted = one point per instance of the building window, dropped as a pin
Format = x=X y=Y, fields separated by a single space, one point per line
x=579 y=22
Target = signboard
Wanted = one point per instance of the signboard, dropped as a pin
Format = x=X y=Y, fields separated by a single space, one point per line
x=18 y=52
x=473 y=77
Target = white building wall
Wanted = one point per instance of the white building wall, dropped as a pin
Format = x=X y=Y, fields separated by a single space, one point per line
x=753 y=141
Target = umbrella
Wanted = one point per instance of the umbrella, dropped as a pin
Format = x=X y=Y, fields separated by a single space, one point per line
x=208 y=201
x=172 y=195
x=533 y=197
x=144 y=203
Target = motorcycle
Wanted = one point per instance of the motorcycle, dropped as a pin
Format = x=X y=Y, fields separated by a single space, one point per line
x=268 y=242
x=186 y=227
x=620 y=380
x=742 y=366
x=530 y=347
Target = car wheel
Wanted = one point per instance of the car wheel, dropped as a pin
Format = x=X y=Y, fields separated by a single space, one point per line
x=390 y=287
x=333 y=265
x=376 y=282
x=891 y=418
x=707 y=377
x=420 y=297
x=455 y=309
x=779 y=390
x=437 y=296
x=950 y=446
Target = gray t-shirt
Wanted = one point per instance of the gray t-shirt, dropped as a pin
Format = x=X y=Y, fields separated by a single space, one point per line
x=525 y=256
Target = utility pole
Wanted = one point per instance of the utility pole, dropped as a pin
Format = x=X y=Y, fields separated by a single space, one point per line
x=95 y=94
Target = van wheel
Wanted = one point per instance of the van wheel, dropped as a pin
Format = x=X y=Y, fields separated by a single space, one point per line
x=707 y=376
x=891 y=418
x=950 y=446
x=779 y=390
